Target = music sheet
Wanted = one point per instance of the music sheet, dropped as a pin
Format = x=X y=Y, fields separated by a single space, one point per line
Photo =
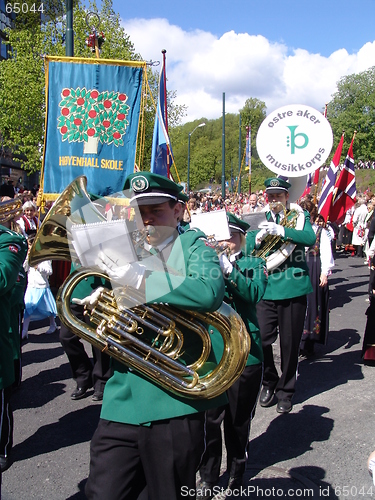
x=113 y=238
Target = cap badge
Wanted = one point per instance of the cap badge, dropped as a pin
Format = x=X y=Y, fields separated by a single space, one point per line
x=139 y=183
x=274 y=183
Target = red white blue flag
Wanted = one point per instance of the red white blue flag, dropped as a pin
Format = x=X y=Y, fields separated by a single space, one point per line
x=161 y=155
x=309 y=183
x=344 y=195
x=326 y=195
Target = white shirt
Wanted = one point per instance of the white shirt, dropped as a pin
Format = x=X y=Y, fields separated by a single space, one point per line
x=325 y=249
x=38 y=277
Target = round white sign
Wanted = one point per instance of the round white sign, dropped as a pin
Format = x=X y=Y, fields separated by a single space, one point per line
x=294 y=140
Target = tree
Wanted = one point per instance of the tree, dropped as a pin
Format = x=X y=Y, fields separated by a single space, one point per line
x=22 y=78
x=22 y=92
x=252 y=114
x=353 y=108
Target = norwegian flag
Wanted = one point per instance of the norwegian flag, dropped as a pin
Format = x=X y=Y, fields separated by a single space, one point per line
x=344 y=195
x=309 y=183
x=326 y=195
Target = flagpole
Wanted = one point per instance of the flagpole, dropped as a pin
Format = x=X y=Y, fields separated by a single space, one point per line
x=317 y=172
x=164 y=111
x=165 y=92
x=239 y=160
x=326 y=194
x=249 y=159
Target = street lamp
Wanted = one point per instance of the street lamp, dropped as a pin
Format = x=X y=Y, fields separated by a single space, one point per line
x=188 y=169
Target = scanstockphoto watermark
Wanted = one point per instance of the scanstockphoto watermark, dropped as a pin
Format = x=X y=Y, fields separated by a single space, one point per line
x=250 y=490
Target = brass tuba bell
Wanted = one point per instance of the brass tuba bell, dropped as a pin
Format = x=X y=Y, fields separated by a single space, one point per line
x=119 y=321
x=52 y=239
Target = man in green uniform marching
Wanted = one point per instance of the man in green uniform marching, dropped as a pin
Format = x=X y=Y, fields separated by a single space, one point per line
x=148 y=436
x=245 y=284
x=13 y=250
x=283 y=307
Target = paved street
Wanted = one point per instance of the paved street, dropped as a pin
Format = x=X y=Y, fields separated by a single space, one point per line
x=317 y=451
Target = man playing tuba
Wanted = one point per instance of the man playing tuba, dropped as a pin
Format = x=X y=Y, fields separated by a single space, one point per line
x=283 y=307
x=146 y=435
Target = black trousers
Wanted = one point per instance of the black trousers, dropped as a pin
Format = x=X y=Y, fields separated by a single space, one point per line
x=286 y=319
x=163 y=456
x=237 y=416
x=84 y=372
x=6 y=422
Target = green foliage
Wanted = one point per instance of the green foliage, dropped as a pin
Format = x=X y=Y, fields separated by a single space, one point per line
x=22 y=79
x=206 y=149
x=365 y=180
x=22 y=92
x=353 y=108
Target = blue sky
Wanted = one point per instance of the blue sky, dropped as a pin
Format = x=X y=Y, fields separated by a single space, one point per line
x=280 y=51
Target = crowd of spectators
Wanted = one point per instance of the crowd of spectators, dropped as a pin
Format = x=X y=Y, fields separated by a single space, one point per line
x=18 y=190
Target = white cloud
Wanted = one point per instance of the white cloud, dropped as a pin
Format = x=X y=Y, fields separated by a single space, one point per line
x=201 y=66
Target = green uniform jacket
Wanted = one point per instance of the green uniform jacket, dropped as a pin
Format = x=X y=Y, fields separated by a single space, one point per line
x=290 y=279
x=17 y=306
x=244 y=287
x=87 y=285
x=197 y=284
x=13 y=250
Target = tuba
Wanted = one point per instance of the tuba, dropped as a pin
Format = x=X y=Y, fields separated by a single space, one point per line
x=120 y=322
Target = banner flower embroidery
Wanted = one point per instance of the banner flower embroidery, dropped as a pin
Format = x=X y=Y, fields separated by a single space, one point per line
x=89 y=114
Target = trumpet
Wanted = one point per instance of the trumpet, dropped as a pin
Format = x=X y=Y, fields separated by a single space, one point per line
x=220 y=247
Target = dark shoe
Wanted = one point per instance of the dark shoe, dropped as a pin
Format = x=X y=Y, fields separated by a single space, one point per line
x=205 y=491
x=306 y=353
x=5 y=463
x=79 y=393
x=267 y=397
x=284 y=406
x=97 y=396
x=235 y=483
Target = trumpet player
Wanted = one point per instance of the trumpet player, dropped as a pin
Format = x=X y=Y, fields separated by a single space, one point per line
x=283 y=307
x=245 y=284
x=147 y=436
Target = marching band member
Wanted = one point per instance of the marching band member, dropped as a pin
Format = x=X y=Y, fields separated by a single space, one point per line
x=13 y=250
x=245 y=284
x=283 y=307
x=146 y=435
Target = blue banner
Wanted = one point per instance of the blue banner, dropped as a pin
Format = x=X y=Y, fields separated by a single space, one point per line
x=93 y=109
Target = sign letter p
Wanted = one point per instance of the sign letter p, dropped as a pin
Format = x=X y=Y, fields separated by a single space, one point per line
x=292 y=139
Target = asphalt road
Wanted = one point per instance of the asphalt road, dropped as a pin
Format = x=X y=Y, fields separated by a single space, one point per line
x=319 y=450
